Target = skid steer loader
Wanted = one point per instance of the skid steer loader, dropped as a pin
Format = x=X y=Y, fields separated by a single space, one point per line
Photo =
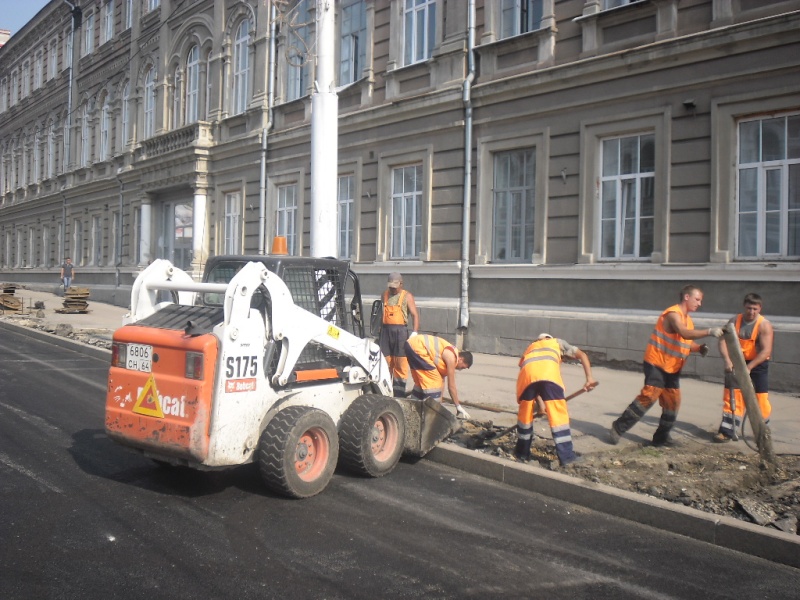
x=264 y=361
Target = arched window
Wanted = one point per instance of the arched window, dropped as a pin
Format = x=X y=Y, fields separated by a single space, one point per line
x=36 y=176
x=150 y=103
x=175 y=120
x=105 y=129
x=51 y=151
x=85 y=139
x=240 y=67
x=126 y=92
x=192 y=84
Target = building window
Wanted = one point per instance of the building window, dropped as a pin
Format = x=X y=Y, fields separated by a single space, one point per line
x=77 y=243
x=241 y=69
x=108 y=21
x=153 y=4
x=175 y=115
x=115 y=239
x=36 y=176
x=615 y=3
x=50 y=167
x=125 y=114
x=31 y=247
x=627 y=197
x=514 y=205
x=345 y=215
x=297 y=53
x=26 y=79
x=88 y=34
x=192 y=84
x=352 y=43
x=52 y=60
x=45 y=259
x=407 y=211
x=20 y=259
x=38 y=74
x=137 y=236
x=232 y=243
x=419 y=30
x=286 y=217
x=97 y=242
x=85 y=137
x=3 y=95
x=768 y=188
x=127 y=16
x=14 y=88
x=150 y=103
x=105 y=129
x=520 y=16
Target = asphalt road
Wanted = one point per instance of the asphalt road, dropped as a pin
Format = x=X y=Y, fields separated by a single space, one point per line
x=84 y=518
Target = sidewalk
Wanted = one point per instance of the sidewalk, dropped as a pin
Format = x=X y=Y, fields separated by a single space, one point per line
x=492 y=382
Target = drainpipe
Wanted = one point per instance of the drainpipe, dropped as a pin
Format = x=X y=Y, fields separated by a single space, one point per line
x=119 y=229
x=63 y=222
x=76 y=22
x=463 y=312
x=262 y=201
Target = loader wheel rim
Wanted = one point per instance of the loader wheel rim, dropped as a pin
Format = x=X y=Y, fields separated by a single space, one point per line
x=311 y=454
x=385 y=437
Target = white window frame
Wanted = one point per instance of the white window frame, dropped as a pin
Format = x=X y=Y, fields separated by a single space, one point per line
x=519 y=16
x=286 y=216
x=175 y=119
x=512 y=195
x=88 y=33
x=38 y=72
x=52 y=60
x=772 y=238
x=127 y=16
x=626 y=221
x=44 y=260
x=3 y=95
x=114 y=250
x=105 y=129
x=108 y=21
x=125 y=114
x=31 y=262
x=232 y=223
x=97 y=241
x=14 y=88
x=20 y=258
x=149 y=115
x=26 y=79
x=298 y=64
x=241 y=68
x=50 y=168
x=407 y=212
x=77 y=243
x=152 y=5
x=352 y=41
x=592 y=134
x=419 y=28
x=85 y=136
x=345 y=215
x=36 y=176
x=192 y=85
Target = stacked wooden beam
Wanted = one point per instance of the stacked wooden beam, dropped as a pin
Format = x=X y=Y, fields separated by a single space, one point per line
x=75 y=300
x=8 y=301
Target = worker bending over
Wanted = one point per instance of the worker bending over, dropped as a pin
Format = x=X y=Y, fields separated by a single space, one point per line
x=431 y=359
x=540 y=375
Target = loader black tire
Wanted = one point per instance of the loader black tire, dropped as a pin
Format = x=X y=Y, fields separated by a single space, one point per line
x=371 y=435
x=298 y=452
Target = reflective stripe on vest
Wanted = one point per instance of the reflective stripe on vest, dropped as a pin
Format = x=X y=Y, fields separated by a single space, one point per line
x=430 y=349
x=395 y=314
x=540 y=362
x=748 y=344
x=668 y=351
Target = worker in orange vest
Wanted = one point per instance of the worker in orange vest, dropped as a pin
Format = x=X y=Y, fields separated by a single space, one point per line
x=670 y=344
x=432 y=359
x=540 y=376
x=755 y=335
x=398 y=304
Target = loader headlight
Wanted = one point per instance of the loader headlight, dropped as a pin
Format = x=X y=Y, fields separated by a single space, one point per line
x=194 y=365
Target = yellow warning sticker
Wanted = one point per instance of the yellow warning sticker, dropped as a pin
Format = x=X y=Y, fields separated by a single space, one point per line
x=147 y=403
x=333 y=332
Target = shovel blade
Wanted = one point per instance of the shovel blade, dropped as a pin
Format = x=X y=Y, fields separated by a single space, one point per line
x=427 y=424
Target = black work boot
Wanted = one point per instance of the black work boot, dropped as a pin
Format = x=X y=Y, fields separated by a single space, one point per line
x=522 y=451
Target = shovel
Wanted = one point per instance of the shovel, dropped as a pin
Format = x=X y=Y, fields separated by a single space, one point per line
x=485 y=436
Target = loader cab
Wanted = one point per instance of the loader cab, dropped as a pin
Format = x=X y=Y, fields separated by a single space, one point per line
x=323 y=286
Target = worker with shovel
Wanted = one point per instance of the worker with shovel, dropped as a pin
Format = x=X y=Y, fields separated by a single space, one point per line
x=432 y=359
x=540 y=375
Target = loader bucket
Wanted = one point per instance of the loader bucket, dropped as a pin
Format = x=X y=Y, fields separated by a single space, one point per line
x=427 y=424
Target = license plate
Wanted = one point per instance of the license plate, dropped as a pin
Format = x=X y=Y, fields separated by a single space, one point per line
x=140 y=357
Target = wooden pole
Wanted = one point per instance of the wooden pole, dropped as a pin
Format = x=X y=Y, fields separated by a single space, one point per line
x=761 y=432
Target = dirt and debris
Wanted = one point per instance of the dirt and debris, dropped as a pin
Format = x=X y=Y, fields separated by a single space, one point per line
x=708 y=477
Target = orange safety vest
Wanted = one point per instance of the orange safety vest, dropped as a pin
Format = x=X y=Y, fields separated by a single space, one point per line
x=748 y=344
x=430 y=349
x=668 y=351
x=396 y=313
x=541 y=361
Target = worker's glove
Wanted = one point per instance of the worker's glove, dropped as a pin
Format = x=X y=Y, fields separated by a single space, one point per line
x=703 y=350
x=717 y=332
x=412 y=334
x=461 y=413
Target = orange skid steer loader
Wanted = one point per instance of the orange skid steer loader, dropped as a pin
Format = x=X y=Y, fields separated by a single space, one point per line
x=264 y=361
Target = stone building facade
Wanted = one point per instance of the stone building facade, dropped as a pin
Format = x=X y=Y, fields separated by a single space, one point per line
x=615 y=151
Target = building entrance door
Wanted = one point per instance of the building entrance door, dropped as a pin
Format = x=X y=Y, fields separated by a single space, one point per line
x=175 y=234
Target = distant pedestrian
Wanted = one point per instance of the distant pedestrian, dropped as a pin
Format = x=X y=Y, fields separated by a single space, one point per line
x=398 y=305
x=67 y=273
x=755 y=335
x=540 y=376
x=432 y=359
x=669 y=346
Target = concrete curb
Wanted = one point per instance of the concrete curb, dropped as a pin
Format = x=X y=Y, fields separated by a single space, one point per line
x=57 y=340
x=725 y=532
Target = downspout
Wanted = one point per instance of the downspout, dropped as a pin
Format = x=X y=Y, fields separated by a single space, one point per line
x=76 y=22
x=262 y=200
x=120 y=229
x=463 y=313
